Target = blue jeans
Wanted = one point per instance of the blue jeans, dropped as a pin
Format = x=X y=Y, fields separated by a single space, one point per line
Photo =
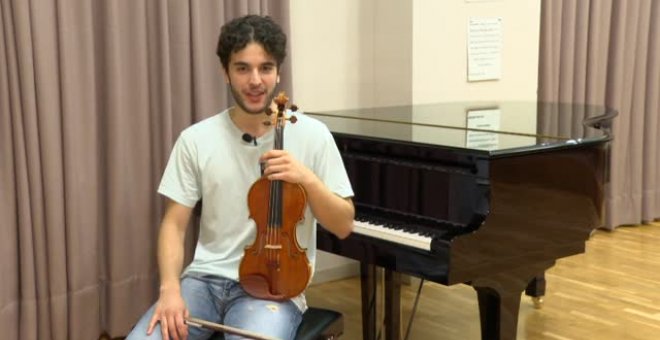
x=223 y=301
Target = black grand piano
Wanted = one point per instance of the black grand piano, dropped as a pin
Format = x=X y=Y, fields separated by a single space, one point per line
x=488 y=194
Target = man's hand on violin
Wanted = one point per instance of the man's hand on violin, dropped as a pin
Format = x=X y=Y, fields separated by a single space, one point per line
x=280 y=165
x=171 y=312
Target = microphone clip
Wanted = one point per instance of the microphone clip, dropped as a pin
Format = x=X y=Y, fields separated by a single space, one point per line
x=249 y=138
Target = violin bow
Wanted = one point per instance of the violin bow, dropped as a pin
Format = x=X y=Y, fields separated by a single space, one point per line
x=195 y=322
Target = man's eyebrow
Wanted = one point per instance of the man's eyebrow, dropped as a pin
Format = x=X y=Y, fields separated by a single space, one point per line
x=243 y=63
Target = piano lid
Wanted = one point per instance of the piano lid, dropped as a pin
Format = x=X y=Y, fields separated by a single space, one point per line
x=494 y=128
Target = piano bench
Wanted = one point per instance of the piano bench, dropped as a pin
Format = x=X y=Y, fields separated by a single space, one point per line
x=316 y=324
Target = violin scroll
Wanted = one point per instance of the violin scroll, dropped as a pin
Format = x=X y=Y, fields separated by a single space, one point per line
x=281 y=100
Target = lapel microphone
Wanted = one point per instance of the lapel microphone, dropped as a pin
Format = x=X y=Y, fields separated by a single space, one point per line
x=248 y=138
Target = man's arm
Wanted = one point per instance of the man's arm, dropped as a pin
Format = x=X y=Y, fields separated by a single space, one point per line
x=333 y=212
x=170 y=308
x=171 y=244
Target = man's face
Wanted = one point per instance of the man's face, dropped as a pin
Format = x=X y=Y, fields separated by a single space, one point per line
x=252 y=76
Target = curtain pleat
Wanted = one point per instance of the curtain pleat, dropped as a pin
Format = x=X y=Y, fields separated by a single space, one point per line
x=9 y=242
x=93 y=95
x=79 y=133
x=11 y=308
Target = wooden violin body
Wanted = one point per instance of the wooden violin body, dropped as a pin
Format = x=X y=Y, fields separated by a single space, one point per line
x=275 y=267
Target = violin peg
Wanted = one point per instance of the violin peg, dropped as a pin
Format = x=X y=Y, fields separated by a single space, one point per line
x=294 y=107
x=281 y=99
x=267 y=123
x=293 y=119
x=269 y=111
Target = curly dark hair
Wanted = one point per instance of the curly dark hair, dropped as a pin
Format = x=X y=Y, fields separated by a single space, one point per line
x=237 y=33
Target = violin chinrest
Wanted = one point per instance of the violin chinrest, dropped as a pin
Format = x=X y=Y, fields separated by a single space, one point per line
x=257 y=286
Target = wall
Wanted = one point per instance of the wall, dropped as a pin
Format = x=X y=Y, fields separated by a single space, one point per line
x=440 y=57
x=346 y=54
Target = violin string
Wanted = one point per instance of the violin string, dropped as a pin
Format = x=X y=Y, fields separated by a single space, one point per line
x=271 y=217
x=276 y=222
x=278 y=193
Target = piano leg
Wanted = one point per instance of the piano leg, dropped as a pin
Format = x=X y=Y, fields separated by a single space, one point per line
x=392 y=305
x=536 y=289
x=368 y=290
x=498 y=311
x=499 y=301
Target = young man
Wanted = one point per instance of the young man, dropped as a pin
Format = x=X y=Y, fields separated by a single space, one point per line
x=212 y=161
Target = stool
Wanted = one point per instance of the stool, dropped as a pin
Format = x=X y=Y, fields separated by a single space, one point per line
x=316 y=324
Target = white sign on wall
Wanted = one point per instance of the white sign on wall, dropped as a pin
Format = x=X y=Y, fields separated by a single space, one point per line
x=484 y=48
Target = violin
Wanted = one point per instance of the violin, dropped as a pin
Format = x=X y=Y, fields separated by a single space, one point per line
x=275 y=267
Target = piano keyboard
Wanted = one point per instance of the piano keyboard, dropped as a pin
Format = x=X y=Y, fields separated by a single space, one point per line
x=386 y=233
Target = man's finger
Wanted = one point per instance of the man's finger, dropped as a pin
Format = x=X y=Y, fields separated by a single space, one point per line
x=181 y=327
x=174 y=332
x=163 y=328
x=152 y=324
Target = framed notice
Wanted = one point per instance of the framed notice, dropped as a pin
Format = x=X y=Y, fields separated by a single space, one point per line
x=484 y=48
x=482 y=127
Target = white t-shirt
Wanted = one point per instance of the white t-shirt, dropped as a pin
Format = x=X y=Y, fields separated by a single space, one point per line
x=210 y=160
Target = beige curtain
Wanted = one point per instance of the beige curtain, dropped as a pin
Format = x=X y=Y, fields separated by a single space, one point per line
x=607 y=52
x=92 y=96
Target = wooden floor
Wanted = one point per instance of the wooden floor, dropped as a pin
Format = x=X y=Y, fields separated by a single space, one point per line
x=610 y=292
